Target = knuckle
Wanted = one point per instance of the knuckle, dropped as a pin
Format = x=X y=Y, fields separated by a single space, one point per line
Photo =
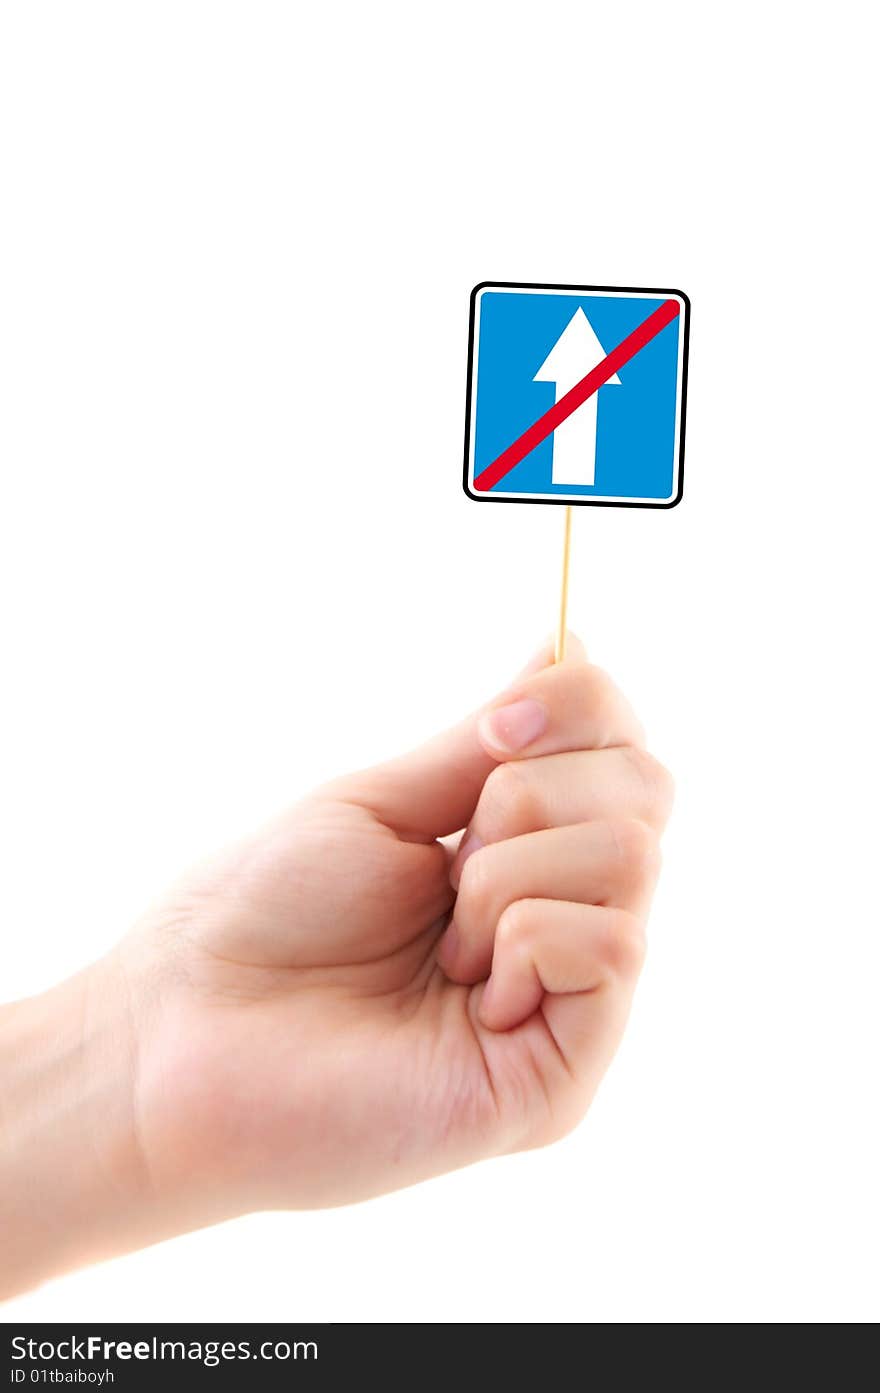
x=656 y=782
x=636 y=848
x=516 y=926
x=600 y=694
x=608 y=711
x=508 y=804
x=477 y=879
x=623 y=945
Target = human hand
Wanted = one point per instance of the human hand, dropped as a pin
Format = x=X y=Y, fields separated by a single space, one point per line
x=318 y=1016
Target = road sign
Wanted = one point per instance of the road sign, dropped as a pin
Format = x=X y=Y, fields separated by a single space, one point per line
x=576 y=394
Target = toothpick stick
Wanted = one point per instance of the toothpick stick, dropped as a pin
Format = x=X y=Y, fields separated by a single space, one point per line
x=563 y=598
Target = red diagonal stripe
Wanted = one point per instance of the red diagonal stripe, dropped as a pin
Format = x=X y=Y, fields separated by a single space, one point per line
x=578 y=394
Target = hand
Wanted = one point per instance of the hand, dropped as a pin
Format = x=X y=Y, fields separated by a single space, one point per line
x=345 y=1004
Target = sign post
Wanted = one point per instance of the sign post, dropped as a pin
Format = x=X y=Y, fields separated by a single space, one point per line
x=576 y=396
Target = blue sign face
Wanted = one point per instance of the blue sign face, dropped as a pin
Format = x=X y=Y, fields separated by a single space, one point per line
x=576 y=394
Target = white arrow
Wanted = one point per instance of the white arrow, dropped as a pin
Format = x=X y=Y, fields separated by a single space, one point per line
x=575 y=353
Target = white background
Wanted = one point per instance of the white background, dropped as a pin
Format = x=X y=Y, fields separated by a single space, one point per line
x=236 y=248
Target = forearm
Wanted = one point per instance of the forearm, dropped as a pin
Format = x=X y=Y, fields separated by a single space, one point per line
x=72 y=1182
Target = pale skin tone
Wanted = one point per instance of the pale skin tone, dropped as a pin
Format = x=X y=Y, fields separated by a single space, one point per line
x=418 y=966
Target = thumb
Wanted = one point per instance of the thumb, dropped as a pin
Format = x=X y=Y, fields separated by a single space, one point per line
x=433 y=790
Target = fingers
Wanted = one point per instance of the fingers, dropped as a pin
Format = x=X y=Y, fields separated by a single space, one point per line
x=588 y=785
x=553 y=948
x=612 y=864
x=570 y=706
x=433 y=791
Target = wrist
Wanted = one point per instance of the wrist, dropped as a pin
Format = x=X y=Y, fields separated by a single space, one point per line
x=71 y=1174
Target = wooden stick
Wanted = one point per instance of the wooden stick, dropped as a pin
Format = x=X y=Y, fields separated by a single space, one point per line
x=563 y=599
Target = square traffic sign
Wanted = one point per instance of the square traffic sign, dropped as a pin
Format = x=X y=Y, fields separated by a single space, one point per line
x=576 y=394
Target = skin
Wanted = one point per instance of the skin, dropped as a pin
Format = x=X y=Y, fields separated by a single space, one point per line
x=419 y=966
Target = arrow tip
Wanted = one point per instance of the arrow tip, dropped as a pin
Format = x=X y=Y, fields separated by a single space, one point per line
x=574 y=354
